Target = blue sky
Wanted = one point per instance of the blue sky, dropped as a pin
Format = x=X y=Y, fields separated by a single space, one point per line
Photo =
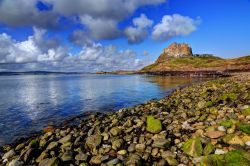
x=95 y=35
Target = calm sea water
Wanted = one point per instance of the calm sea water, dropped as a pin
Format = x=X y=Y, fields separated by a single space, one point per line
x=30 y=102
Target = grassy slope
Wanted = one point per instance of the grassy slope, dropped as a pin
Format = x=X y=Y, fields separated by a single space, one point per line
x=194 y=63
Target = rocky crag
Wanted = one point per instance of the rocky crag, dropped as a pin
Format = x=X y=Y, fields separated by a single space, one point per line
x=206 y=124
x=178 y=59
x=175 y=51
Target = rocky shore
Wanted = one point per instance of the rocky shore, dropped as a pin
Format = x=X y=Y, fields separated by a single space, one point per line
x=206 y=124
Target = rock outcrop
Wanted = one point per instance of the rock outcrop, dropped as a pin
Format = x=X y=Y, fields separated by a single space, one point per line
x=175 y=50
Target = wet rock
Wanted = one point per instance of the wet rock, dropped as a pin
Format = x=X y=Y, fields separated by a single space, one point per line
x=220 y=151
x=96 y=159
x=171 y=160
x=215 y=134
x=50 y=162
x=131 y=148
x=193 y=147
x=115 y=131
x=93 y=141
x=81 y=157
x=244 y=127
x=34 y=144
x=133 y=159
x=122 y=152
x=65 y=139
x=16 y=163
x=233 y=139
x=117 y=144
x=140 y=148
x=161 y=143
x=67 y=156
x=20 y=147
x=42 y=156
x=209 y=148
x=153 y=125
x=52 y=146
x=113 y=162
x=9 y=154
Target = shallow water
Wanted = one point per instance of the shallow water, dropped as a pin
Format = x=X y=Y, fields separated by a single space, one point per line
x=30 y=102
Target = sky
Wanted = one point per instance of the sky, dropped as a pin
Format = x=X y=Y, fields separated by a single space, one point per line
x=108 y=35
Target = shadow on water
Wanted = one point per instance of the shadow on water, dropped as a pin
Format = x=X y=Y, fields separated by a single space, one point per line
x=30 y=102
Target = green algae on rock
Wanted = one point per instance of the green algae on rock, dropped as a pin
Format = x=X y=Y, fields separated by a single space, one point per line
x=153 y=125
x=193 y=147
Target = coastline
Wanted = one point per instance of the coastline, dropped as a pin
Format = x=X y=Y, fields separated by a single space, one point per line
x=185 y=126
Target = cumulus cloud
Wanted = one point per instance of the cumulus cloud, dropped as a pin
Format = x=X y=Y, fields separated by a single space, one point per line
x=138 y=32
x=101 y=18
x=80 y=38
x=24 y=12
x=35 y=53
x=174 y=25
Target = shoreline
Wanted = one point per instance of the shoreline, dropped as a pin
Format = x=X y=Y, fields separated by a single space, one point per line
x=159 y=131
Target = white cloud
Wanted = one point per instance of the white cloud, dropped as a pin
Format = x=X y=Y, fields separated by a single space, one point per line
x=101 y=18
x=32 y=55
x=138 y=32
x=174 y=25
x=24 y=12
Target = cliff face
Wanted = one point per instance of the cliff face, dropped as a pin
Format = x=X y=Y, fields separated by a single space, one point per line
x=175 y=50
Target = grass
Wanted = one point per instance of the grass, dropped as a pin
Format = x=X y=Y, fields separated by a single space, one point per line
x=197 y=62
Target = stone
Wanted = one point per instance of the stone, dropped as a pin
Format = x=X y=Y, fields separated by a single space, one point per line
x=9 y=154
x=140 y=148
x=222 y=128
x=153 y=125
x=52 y=146
x=244 y=127
x=233 y=139
x=219 y=151
x=81 y=157
x=133 y=159
x=65 y=139
x=131 y=148
x=93 y=141
x=115 y=131
x=161 y=143
x=246 y=112
x=209 y=148
x=50 y=162
x=117 y=144
x=171 y=161
x=67 y=156
x=113 y=162
x=227 y=123
x=42 y=156
x=122 y=152
x=16 y=163
x=96 y=159
x=20 y=147
x=215 y=134
x=193 y=147
x=34 y=144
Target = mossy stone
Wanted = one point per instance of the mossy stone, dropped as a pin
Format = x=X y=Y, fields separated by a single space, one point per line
x=232 y=158
x=212 y=160
x=237 y=157
x=244 y=127
x=209 y=148
x=34 y=144
x=246 y=112
x=209 y=103
x=193 y=147
x=227 y=123
x=153 y=125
